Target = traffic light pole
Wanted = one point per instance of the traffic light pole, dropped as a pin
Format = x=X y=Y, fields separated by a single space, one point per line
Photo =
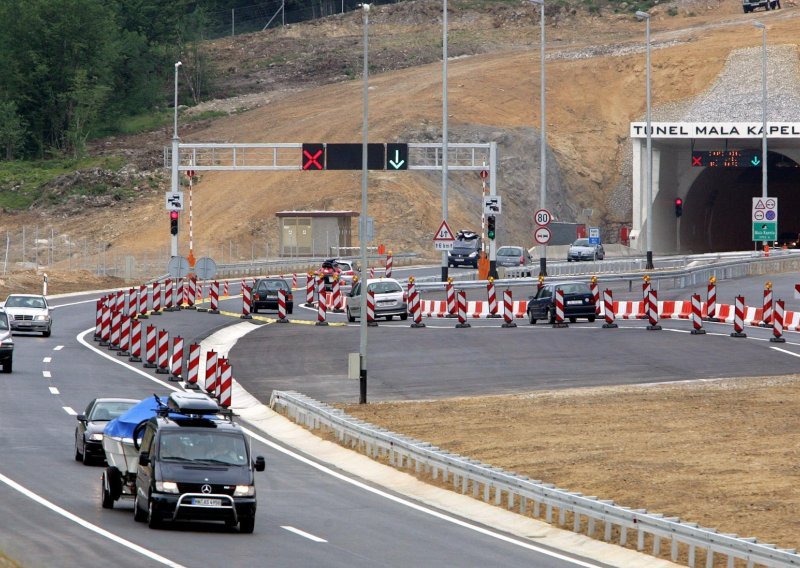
x=175 y=159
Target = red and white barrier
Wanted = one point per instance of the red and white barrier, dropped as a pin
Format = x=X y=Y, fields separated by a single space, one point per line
x=282 y=306
x=225 y=289
x=247 y=302
x=711 y=302
x=150 y=347
x=98 y=319
x=492 y=295
x=738 y=318
x=652 y=310
x=294 y=281
x=389 y=263
x=198 y=301
x=309 y=289
x=697 y=315
x=163 y=352
x=766 y=311
x=508 y=310
x=124 y=336
x=371 y=307
x=414 y=304
x=452 y=308
x=116 y=322
x=462 y=309
x=169 y=300
x=193 y=365
x=211 y=372
x=322 y=305
x=608 y=310
x=156 y=298
x=372 y=272
x=225 y=385
x=176 y=359
x=777 y=323
x=192 y=296
x=136 y=341
x=595 y=289
x=336 y=305
x=142 y=302
x=559 y=302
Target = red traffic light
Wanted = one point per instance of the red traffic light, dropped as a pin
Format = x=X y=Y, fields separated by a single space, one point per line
x=173 y=215
x=678 y=201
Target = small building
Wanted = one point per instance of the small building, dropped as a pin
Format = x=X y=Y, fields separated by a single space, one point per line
x=315 y=233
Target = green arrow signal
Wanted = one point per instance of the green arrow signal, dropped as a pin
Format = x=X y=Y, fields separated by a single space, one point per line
x=755 y=161
x=397 y=163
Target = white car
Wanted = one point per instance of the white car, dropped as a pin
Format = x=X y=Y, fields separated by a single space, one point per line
x=390 y=299
x=348 y=270
x=29 y=312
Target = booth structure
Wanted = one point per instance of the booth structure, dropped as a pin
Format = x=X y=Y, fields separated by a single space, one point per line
x=316 y=233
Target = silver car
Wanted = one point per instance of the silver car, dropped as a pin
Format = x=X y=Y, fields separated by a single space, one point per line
x=582 y=250
x=513 y=256
x=390 y=299
x=29 y=312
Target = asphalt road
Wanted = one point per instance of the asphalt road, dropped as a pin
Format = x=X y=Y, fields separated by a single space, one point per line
x=50 y=513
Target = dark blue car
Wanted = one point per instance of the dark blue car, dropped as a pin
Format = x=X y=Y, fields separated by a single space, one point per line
x=578 y=302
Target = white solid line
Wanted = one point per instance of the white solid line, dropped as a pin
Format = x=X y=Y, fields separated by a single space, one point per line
x=58 y=348
x=69 y=410
x=74 y=518
x=785 y=351
x=46 y=374
x=47 y=359
x=304 y=534
x=53 y=390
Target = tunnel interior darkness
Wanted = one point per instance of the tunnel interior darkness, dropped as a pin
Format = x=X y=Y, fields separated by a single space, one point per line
x=717 y=210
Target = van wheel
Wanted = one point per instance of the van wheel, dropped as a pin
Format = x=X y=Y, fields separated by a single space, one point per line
x=350 y=317
x=591 y=319
x=153 y=518
x=573 y=319
x=404 y=317
x=551 y=315
x=107 y=502
x=531 y=319
x=389 y=318
x=247 y=524
x=139 y=515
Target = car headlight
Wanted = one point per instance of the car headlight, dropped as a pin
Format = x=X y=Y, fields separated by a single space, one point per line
x=166 y=487
x=43 y=317
x=244 y=491
x=473 y=254
x=96 y=437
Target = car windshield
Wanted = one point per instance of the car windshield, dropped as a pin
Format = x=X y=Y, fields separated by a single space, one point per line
x=109 y=410
x=24 y=302
x=3 y=322
x=274 y=285
x=509 y=251
x=385 y=287
x=575 y=288
x=203 y=447
x=581 y=243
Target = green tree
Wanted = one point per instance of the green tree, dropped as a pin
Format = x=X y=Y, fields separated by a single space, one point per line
x=12 y=128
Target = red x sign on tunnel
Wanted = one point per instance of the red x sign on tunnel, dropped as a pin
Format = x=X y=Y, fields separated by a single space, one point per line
x=313 y=156
x=697 y=161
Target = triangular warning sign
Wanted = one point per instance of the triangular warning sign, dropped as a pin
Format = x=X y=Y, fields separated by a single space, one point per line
x=444 y=233
x=760 y=204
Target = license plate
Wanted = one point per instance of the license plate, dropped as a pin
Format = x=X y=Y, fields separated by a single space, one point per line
x=205 y=502
x=23 y=323
x=387 y=303
x=574 y=302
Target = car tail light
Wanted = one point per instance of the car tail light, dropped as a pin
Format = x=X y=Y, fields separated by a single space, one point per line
x=522 y=261
x=289 y=297
x=405 y=297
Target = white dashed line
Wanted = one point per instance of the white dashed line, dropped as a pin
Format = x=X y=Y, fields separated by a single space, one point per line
x=46 y=374
x=58 y=348
x=53 y=390
x=68 y=410
x=47 y=359
x=304 y=534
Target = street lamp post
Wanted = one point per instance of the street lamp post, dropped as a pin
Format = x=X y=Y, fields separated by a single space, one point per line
x=763 y=29
x=175 y=157
x=649 y=266
x=362 y=237
x=542 y=138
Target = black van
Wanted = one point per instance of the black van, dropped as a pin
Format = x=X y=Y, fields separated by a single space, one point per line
x=195 y=464
x=466 y=250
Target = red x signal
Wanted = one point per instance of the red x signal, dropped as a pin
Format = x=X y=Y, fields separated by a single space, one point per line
x=697 y=161
x=313 y=157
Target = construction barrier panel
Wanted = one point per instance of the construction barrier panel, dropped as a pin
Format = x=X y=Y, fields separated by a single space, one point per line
x=176 y=359
x=163 y=352
x=136 y=341
x=508 y=309
x=211 y=372
x=697 y=315
x=282 y=307
x=777 y=323
x=193 y=366
x=608 y=310
x=462 y=310
x=559 y=301
x=652 y=310
x=738 y=318
x=247 y=302
x=492 y=297
x=150 y=347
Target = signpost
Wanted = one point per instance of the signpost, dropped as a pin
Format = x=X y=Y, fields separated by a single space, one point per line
x=443 y=239
x=492 y=205
x=174 y=200
x=765 y=218
x=594 y=236
x=541 y=235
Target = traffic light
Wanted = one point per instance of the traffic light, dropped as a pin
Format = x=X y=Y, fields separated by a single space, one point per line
x=678 y=207
x=173 y=222
x=490 y=227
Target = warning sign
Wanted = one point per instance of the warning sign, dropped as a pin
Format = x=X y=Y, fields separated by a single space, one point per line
x=765 y=218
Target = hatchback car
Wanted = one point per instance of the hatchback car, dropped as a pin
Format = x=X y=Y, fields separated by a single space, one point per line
x=29 y=312
x=513 y=256
x=265 y=294
x=578 y=302
x=582 y=250
x=390 y=299
x=89 y=431
x=347 y=270
x=6 y=343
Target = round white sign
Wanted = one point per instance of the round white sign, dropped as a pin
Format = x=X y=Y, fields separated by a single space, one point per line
x=541 y=235
x=542 y=218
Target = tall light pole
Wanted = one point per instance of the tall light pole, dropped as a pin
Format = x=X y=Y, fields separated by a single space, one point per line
x=362 y=349
x=649 y=265
x=542 y=138
x=175 y=157
x=444 y=130
x=763 y=29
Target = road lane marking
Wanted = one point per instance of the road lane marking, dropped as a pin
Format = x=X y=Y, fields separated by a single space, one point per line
x=68 y=410
x=53 y=390
x=46 y=374
x=47 y=359
x=785 y=351
x=58 y=348
x=94 y=528
x=304 y=534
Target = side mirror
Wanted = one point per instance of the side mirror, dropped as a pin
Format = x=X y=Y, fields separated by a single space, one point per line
x=260 y=464
x=144 y=459
x=81 y=417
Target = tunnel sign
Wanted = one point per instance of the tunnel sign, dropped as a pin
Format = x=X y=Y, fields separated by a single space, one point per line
x=765 y=218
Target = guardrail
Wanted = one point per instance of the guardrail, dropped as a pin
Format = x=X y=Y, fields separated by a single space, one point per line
x=586 y=513
x=303 y=265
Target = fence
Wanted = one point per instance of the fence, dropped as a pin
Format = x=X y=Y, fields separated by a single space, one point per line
x=532 y=497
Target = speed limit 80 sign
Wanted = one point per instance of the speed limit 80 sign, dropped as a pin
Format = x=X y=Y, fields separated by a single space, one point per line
x=542 y=217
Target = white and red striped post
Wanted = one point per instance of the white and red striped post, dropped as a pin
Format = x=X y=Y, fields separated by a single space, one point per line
x=766 y=313
x=116 y=322
x=225 y=385
x=211 y=372
x=697 y=315
x=777 y=323
x=199 y=298
x=136 y=341
x=105 y=329
x=225 y=288
x=294 y=280
x=711 y=300
x=462 y=310
x=371 y=321
x=213 y=297
x=156 y=298
x=163 y=352
x=389 y=263
x=559 y=302
x=176 y=359
x=452 y=307
x=183 y=294
x=322 y=305
x=192 y=296
x=150 y=347
x=169 y=300
x=133 y=302
x=738 y=318
x=608 y=310
x=372 y=272
x=596 y=294
x=243 y=284
x=413 y=304
x=125 y=336
x=120 y=305
x=247 y=302
x=646 y=293
x=282 y=306
x=98 y=320
x=193 y=366
x=492 y=295
x=142 y=302
x=309 y=289
x=221 y=362
x=337 y=295
x=652 y=310
x=508 y=309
